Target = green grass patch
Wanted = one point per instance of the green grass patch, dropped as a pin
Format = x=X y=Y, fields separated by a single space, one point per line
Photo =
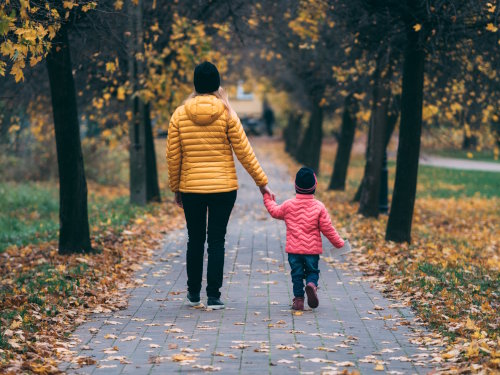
x=36 y=285
x=483 y=155
x=463 y=286
x=29 y=213
x=434 y=182
x=448 y=183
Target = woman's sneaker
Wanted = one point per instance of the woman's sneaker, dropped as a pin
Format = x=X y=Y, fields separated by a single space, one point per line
x=312 y=296
x=193 y=299
x=215 y=303
x=298 y=303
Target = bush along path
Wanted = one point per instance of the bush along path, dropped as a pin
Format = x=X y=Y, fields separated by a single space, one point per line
x=355 y=329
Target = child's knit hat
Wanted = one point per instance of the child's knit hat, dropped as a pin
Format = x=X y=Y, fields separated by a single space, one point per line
x=305 y=181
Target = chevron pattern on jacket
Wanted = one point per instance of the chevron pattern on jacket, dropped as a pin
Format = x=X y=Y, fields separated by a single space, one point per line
x=305 y=218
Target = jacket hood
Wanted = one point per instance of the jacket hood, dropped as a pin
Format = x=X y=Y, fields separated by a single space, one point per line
x=204 y=109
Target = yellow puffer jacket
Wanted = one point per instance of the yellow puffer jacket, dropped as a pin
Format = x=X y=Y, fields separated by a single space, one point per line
x=201 y=141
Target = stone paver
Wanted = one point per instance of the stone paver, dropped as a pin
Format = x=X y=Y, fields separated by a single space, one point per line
x=257 y=332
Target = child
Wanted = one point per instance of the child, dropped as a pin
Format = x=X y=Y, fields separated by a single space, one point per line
x=305 y=218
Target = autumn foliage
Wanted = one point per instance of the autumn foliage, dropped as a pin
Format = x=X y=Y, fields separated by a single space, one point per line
x=320 y=62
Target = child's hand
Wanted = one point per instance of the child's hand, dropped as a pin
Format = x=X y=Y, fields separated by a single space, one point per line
x=265 y=190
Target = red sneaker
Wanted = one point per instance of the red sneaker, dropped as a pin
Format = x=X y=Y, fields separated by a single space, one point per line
x=312 y=296
x=298 y=303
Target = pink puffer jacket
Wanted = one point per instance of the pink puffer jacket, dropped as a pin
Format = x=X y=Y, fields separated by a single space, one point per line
x=305 y=218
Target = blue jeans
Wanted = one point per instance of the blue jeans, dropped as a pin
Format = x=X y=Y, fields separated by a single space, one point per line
x=303 y=267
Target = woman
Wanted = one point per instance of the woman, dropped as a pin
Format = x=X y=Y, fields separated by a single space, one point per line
x=202 y=135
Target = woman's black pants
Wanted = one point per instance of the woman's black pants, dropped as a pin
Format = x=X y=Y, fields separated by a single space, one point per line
x=219 y=207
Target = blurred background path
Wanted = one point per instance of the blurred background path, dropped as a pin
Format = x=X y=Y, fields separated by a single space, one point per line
x=464 y=164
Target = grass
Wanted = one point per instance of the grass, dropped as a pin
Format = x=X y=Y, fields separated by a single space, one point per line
x=462 y=288
x=34 y=285
x=433 y=182
x=29 y=213
x=483 y=155
x=454 y=183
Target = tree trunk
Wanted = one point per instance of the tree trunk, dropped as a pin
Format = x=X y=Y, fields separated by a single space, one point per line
x=152 y=187
x=4 y=125
x=357 y=196
x=137 y=130
x=405 y=186
x=345 y=141
x=370 y=194
x=470 y=124
x=309 y=151
x=291 y=133
x=392 y=120
x=74 y=233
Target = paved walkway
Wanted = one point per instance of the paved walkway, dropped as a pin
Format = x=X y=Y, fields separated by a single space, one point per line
x=464 y=164
x=354 y=328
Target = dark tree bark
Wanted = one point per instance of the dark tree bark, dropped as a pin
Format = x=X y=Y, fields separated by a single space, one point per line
x=357 y=196
x=152 y=187
x=74 y=233
x=137 y=135
x=345 y=141
x=370 y=194
x=470 y=124
x=291 y=133
x=144 y=185
x=405 y=186
x=309 y=151
x=137 y=130
x=392 y=118
x=4 y=125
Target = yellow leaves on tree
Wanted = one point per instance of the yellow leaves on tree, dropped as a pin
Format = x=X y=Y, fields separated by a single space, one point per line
x=120 y=93
x=24 y=36
x=310 y=17
x=491 y=27
x=26 y=32
x=69 y=4
x=168 y=70
x=429 y=111
x=118 y=5
x=111 y=67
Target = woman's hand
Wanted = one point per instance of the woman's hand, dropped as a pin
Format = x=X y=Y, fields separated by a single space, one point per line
x=265 y=190
x=178 y=199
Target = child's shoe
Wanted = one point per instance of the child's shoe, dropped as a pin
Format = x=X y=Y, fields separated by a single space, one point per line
x=298 y=303
x=312 y=296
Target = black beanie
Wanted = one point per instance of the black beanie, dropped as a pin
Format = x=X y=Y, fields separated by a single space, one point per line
x=305 y=181
x=206 y=78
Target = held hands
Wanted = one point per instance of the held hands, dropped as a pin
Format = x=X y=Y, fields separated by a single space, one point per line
x=265 y=190
x=178 y=199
